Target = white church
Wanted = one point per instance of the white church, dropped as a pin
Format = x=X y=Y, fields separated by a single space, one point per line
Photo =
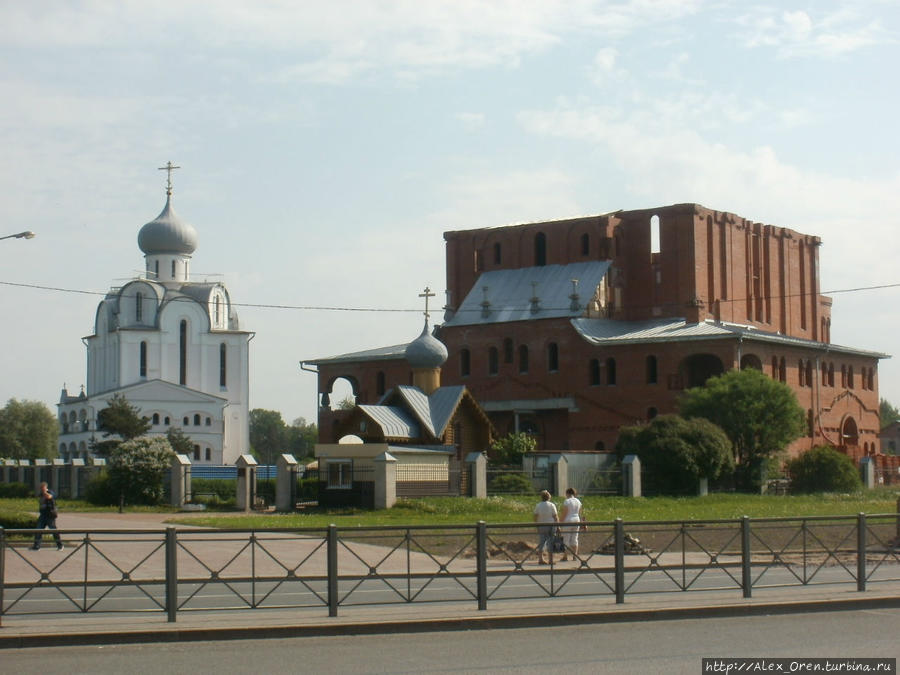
x=172 y=347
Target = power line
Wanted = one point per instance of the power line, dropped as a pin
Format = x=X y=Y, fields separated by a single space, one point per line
x=493 y=308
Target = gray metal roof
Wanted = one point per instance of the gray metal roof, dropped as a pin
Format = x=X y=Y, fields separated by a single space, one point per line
x=510 y=293
x=434 y=411
x=395 y=422
x=610 y=332
x=421 y=449
x=378 y=354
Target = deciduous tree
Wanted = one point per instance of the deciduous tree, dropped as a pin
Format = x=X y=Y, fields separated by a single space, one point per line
x=136 y=469
x=512 y=448
x=28 y=430
x=268 y=434
x=759 y=415
x=676 y=453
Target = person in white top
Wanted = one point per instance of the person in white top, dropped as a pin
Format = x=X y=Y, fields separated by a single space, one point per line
x=545 y=515
x=571 y=513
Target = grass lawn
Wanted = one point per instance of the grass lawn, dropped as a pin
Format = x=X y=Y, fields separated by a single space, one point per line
x=455 y=510
x=510 y=509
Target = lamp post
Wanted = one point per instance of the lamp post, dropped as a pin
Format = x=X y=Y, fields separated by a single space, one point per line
x=28 y=234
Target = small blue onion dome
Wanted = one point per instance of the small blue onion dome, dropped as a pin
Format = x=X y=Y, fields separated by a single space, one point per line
x=426 y=351
x=167 y=233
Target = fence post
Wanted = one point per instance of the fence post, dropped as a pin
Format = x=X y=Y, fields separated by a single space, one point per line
x=481 y=564
x=620 y=560
x=171 y=574
x=332 y=566
x=2 y=574
x=861 y=552
x=746 y=579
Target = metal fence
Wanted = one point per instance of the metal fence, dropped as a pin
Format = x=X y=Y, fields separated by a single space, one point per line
x=175 y=570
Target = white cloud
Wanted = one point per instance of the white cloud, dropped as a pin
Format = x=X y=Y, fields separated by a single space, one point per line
x=796 y=33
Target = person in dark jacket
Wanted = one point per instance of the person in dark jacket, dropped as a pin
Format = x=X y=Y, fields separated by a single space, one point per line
x=47 y=517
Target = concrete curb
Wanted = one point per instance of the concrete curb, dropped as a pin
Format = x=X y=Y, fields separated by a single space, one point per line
x=414 y=625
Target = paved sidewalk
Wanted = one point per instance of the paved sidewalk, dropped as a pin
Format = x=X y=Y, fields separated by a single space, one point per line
x=78 y=629
x=110 y=628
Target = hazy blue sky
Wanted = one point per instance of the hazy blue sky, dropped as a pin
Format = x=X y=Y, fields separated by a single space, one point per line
x=326 y=146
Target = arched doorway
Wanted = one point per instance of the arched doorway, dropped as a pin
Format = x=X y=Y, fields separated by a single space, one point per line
x=849 y=433
x=696 y=369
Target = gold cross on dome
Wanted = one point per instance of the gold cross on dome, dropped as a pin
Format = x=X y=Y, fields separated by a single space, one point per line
x=427 y=294
x=168 y=168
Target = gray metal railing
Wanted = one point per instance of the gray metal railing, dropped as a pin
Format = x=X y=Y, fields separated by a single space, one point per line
x=176 y=570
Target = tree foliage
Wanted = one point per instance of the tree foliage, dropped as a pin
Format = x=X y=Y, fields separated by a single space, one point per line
x=268 y=435
x=676 y=453
x=136 y=469
x=28 y=430
x=887 y=413
x=759 y=415
x=302 y=438
x=181 y=443
x=823 y=469
x=121 y=418
x=512 y=448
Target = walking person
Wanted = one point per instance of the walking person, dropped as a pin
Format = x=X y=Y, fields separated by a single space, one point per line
x=47 y=514
x=571 y=513
x=546 y=517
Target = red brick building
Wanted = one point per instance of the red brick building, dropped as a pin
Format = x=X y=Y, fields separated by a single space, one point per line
x=570 y=329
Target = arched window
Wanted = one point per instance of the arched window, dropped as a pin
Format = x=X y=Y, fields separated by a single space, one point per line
x=651 y=413
x=138 y=307
x=850 y=383
x=507 y=350
x=197 y=452
x=585 y=244
x=540 y=249
x=465 y=362
x=831 y=374
x=185 y=422
x=651 y=370
x=523 y=358
x=600 y=446
x=182 y=353
x=810 y=427
x=594 y=372
x=379 y=383
x=167 y=421
x=493 y=361
x=208 y=421
x=801 y=373
x=774 y=367
x=610 y=371
x=156 y=269
x=498 y=258
x=155 y=418
x=782 y=370
x=142 y=368
x=196 y=420
x=218 y=309
x=223 y=361
x=173 y=276
x=208 y=454
x=871 y=379
x=553 y=357
x=809 y=374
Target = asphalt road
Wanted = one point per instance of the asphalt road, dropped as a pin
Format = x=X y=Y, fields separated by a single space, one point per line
x=674 y=646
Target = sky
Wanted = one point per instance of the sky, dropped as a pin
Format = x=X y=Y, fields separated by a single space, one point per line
x=327 y=146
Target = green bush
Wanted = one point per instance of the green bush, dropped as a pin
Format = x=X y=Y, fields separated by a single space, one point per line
x=823 y=469
x=308 y=488
x=17 y=520
x=511 y=483
x=15 y=491
x=101 y=492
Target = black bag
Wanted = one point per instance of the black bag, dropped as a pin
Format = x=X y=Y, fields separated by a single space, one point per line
x=52 y=511
x=557 y=545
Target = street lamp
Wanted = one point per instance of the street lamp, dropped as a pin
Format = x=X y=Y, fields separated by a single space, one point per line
x=27 y=234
